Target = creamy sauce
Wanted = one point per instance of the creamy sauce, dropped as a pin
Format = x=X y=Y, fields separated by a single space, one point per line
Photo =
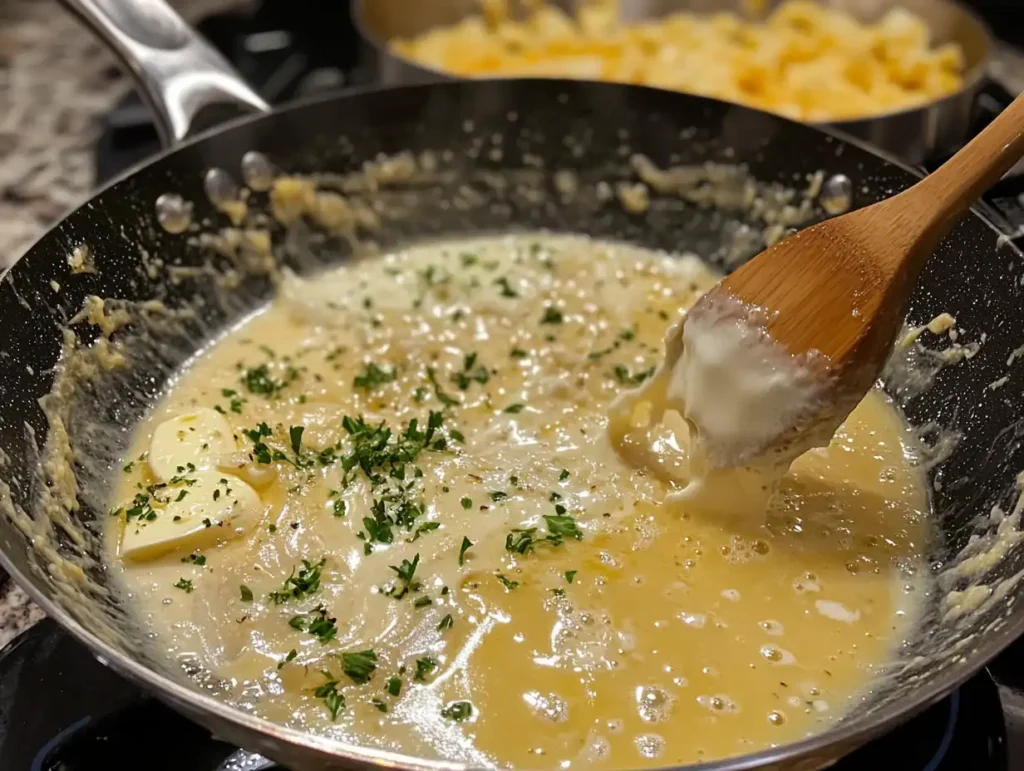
x=501 y=583
x=745 y=400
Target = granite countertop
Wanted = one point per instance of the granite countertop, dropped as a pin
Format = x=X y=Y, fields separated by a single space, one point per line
x=55 y=83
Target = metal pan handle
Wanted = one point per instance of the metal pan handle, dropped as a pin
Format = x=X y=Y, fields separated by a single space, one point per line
x=188 y=85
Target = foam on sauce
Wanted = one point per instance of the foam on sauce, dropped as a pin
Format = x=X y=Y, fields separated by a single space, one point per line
x=497 y=583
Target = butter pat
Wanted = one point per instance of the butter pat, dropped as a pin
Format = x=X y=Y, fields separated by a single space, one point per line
x=194 y=440
x=210 y=507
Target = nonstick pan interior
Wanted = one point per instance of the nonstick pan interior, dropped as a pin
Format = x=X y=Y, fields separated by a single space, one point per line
x=538 y=136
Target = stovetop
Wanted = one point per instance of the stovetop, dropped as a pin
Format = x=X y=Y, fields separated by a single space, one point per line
x=61 y=710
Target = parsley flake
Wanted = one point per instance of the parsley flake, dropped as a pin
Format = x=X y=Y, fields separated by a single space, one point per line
x=359 y=666
x=373 y=376
x=508 y=583
x=466 y=545
x=457 y=711
x=333 y=698
x=394 y=685
x=300 y=585
x=424 y=667
x=552 y=316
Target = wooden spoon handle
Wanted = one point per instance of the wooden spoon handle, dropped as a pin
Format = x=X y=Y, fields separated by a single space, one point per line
x=952 y=188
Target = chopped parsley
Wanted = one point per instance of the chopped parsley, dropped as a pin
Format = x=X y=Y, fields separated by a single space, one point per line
x=497 y=495
x=373 y=376
x=457 y=711
x=508 y=583
x=552 y=316
x=424 y=667
x=258 y=380
x=569 y=575
x=287 y=659
x=445 y=399
x=523 y=540
x=359 y=666
x=506 y=287
x=317 y=623
x=195 y=559
x=466 y=545
x=295 y=437
x=338 y=506
x=245 y=592
x=405 y=572
x=140 y=510
x=386 y=459
x=564 y=475
x=562 y=526
x=470 y=373
x=446 y=623
x=302 y=584
x=623 y=375
x=334 y=700
x=514 y=409
x=235 y=400
x=185 y=585
x=467 y=503
x=422 y=529
x=394 y=685
x=518 y=353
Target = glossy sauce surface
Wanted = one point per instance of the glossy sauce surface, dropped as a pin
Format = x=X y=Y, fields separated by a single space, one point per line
x=498 y=584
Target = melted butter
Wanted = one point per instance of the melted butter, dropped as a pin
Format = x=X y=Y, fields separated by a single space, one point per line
x=677 y=639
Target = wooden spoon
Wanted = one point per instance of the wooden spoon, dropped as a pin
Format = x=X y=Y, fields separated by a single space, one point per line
x=841 y=288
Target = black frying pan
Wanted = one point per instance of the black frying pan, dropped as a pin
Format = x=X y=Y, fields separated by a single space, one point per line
x=560 y=125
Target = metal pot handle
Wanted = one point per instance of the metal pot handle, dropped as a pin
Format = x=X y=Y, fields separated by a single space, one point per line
x=188 y=85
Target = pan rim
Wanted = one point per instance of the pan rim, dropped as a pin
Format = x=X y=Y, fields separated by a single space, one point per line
x=841 y=739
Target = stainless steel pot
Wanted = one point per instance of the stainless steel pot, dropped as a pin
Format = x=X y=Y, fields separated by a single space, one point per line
x=49 y=539
x=915 y=134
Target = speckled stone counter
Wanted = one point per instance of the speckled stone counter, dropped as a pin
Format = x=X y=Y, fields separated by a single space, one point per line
x=56 y=82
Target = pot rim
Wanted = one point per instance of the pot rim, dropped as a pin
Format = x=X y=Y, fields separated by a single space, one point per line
x=972 y=79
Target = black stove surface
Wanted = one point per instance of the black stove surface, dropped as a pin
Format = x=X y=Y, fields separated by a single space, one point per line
x=61 y=710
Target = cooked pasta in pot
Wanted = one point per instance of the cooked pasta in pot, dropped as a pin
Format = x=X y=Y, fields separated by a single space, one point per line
x=805 y=61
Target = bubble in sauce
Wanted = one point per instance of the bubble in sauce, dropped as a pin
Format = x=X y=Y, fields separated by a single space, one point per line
x=257 y=171
x=836 y=194
x=173 y=213
x=654 y=705
x=775 y=717
x=693 y=620
x=649 y=746
x=597 y=748
x=220 y=187
x=718 y=702
x=547 y=706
